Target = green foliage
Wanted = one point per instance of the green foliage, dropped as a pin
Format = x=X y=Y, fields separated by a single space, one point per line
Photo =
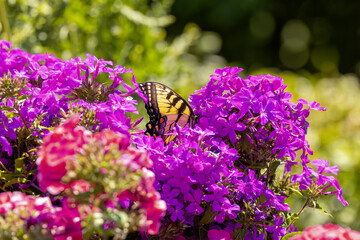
x=130 y=33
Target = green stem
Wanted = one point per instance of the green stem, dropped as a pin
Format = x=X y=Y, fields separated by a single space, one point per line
x=2 y=165
x=22 y=119
x=301 y=210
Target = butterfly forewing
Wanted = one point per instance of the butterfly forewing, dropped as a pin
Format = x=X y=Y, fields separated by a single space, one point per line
x=165 y=108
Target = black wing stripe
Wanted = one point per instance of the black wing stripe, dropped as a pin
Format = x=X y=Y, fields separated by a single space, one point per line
x=170 y=102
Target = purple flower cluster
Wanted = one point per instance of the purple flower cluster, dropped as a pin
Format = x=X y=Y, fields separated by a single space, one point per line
x=229 y=176
x=54 y=88
x=222 y=173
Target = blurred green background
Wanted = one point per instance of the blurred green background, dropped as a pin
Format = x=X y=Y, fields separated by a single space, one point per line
x=313 y=45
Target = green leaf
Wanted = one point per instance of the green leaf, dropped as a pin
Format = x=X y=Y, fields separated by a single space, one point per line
x=289 y=235
x=11 y=115
x=297 y=191
x=208 y=216
x=23 y=97
x=13 y=181
x=319 y=207
x=7 y=108
x=19 y=164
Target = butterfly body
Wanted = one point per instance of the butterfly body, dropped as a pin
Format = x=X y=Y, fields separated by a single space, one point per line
x=165 y=108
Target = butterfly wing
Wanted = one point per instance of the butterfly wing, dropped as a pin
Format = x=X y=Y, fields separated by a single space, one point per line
x=165 y=108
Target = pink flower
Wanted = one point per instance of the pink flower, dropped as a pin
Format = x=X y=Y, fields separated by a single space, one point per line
x=12 y=201
x=79 y=186
x=58 y=154
x=327 y=231
x=58 y=149
x=214 y=234
x=134 y=158
x=66 y=223
x=108 y=137
x=61 y=223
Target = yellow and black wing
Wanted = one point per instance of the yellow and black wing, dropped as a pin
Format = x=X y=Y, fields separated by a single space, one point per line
x=165 y=108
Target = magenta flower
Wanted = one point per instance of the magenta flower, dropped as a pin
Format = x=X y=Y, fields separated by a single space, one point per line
x=231 y=126
x=276 y=229
x=214 y=234
x=58 y=150
x=194 y=198
x=227 y=209
x=59 y=222
x=327 y=231
x=176 y=212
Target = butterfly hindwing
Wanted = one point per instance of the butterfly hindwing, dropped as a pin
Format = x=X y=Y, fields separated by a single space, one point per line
x=165 y=108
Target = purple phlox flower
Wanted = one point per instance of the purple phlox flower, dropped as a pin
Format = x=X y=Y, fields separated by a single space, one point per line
x=230 y=126
x=155 y=147
x=96 y=65
x=277 y=83
x=114 y=75
x=20 y=74
x=227 y=155
x=327 y=181
x=38 y=70
x=176 y=212
x=137 y=122
x=276 y=229
x=289 y=164
x=227 y=209
x=170 y=195
x=339 y=193
x=292 y=228
x=120 y=69
x=16 y=59
x=180 y=183
x=5 y=44
x=232 y=175
x=49 y=103
x=282 y=143
x=275 y=201
x=48 y=59
x=219 y=234
x=313 y=105
x=217 y=196
x=232 y=226
x=251 y=186
x=6 y=147
x=79 y=66
x=118 y=122
x=253 y=235
x=264 y=108
x=219 y=146
x=259 y=215
x=9 y=126
x=323 y=166
x=195 y=198
x=245 y=99
x=127 y=104
x=303 y=178
x=29 y=113
x=219 y=101
x=225 y=74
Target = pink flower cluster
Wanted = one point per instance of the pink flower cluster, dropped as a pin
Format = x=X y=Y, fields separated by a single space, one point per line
x=57 y=155
x=58 y=150
x=327 y=231
x=59 y=222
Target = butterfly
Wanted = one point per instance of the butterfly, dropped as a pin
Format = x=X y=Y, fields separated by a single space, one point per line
x=165 y=108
